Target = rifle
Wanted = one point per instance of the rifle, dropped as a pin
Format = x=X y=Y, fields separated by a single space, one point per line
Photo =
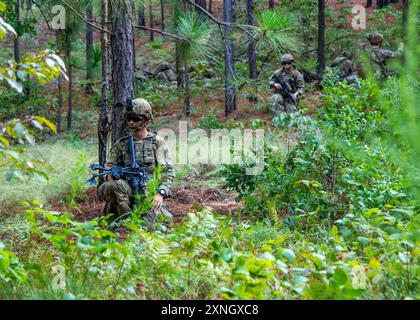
x=284 y=91
x=136 y=176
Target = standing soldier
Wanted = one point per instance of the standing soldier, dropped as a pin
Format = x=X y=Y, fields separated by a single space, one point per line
x=151 y=151
x=288 y=84
x=345 y=68
x=381 y=56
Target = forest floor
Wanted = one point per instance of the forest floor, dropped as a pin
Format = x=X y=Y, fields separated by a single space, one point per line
x=185 y=199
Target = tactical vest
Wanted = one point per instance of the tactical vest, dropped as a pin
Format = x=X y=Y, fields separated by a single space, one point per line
x=288 y=78
x=145 y=151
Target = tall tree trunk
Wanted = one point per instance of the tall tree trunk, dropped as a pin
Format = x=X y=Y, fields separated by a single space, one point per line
x=271 y=4
x=368 y=3
x=16 y=39
x=141 y=15
x=179 y=69
x=89 y=49
x=252 y=56
x=321 y=37
x=58 y=36
x=103 y=129
x=162 y=15
x=122 y=65
x=70 y=71
x=229 y=63
x=152 y=36
x=60 y=102
x=187 y=88
x=210 y=6
x=202 y=4
x=406 y=5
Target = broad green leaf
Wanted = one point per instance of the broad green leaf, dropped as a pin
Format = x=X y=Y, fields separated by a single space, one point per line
x=267 y=256
x=4 y=141
x=47 y=122
x=21 y=74
x=4 y=260
x=227 y=255
x=289 y=254
x=363 y=240
x=15 y=85
x=19 y=130
x=340 y=276
x=50 y=62
x=30 y=138
x=7 y=26
x=37 y=125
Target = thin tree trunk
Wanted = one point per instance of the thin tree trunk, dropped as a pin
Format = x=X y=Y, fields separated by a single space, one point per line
x=122 y=65
x=179 y=69
x=58 y=36
x=321 y=37
x=152 y=36
x=202 y=4
x=252 y=56
x=70 y=70
x=187 y=88
x=16 y=39
x=271 y=4
x=210 y=6
x=141 y=16
x=406 y=6
x=229 y=63
x=60 y=102
x=89 y=49
x=103 y=132
x=162 y=15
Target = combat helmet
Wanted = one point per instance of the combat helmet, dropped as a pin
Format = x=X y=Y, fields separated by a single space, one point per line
x=348 y=54
x=139 y=108
x=375 y=38
x=287 y=58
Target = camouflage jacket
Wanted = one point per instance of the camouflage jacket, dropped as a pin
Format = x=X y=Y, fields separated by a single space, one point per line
x=151 y=151
x=380 y=57
x=293 y=77
x=345 y=65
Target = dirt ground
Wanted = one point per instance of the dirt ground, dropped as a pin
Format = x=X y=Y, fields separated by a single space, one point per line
x=184 y=199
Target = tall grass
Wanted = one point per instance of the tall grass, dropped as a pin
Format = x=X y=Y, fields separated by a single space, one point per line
x=61 y=158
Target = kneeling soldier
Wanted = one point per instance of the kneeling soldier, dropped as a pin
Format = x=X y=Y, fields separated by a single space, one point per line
x=288 y=83
x=150 y=152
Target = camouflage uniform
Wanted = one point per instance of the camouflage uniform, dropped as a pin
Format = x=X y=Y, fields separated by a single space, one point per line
x=295 y=82
x=150 y=152
x=346 y=68
x=381 y=56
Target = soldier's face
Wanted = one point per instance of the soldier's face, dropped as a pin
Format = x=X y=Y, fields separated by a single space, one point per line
x=136 y=123
x=286 y=65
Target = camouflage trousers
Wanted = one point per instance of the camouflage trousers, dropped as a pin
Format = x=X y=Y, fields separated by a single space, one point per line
x=279 y=104
x=120 y=195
